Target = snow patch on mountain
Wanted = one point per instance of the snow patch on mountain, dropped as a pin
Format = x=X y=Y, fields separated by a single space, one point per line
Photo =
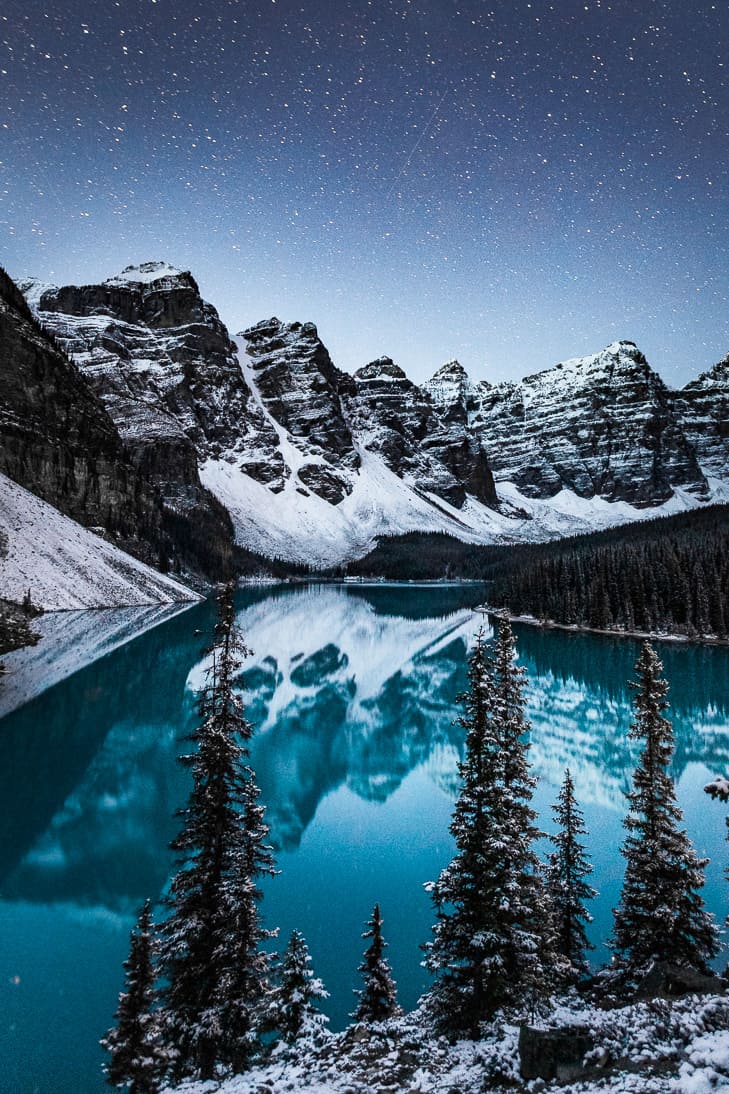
x=144 y=274
x=302 y=527
x=66 y=566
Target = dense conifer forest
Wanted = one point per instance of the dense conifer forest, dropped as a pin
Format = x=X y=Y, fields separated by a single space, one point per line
x=665 y=575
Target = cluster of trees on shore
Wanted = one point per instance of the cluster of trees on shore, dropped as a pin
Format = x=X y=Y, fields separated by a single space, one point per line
x=204 y=998
x=669 y=575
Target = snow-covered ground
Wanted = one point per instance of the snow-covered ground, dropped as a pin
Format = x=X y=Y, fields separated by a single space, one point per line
x=648 y=1048
x=305 y=528
x=65 y=566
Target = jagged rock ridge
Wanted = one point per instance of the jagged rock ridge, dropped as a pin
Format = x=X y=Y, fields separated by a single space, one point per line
x=275 y=416
x=704 y=408
x=602 y=425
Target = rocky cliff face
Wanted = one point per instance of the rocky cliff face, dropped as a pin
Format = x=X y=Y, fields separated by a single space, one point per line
x=604 y=425
x=57 y=439
x=704 y=408
x=164 y=366
x=301 y=453
x=301 y=390
x=422 y=438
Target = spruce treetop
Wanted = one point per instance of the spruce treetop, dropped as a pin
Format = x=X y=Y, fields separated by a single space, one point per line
x=378 y=997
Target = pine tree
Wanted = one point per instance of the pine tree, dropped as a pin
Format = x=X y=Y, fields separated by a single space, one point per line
x=661 y=915
x=292 y=1008
x=138 y=1058
x=378 y=998
x=566 y=872
x=210 y=954
x=491 y=945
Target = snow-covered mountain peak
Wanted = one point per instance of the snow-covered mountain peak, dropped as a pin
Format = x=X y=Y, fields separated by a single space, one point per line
x=33 y=289
x=449 y=385
x=617 y=356
x=383 y=368
x=147 y=273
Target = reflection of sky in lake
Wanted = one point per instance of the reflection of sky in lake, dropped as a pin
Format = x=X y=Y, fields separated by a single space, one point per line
x=353 y=693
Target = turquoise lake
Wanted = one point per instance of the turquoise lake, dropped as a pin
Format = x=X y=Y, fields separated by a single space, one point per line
x=352 y=690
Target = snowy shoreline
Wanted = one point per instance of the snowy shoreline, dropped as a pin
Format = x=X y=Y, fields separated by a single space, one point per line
x=656 y=1047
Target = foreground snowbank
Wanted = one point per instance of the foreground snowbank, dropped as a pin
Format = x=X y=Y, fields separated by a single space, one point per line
x=658 y=1047
x=65 y=566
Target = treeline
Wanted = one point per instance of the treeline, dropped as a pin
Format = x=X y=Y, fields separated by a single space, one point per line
x=424 y=556
x=670 y=574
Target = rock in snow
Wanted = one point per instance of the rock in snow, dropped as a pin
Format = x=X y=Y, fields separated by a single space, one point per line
x=66 y=566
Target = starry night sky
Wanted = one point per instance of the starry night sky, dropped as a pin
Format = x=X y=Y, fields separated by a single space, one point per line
x=505 y=182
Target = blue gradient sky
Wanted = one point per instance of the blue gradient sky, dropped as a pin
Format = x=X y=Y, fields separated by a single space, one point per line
x=509 y=183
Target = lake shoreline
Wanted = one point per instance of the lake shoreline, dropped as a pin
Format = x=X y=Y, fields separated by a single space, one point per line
x=576 y=628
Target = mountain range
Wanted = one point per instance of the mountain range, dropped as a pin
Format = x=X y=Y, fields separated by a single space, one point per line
x=129 y=406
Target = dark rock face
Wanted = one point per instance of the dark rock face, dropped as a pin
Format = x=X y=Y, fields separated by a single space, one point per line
x=325 y=482
x=301 y=388
x=604 y=425
x=452 y=441
x=57 y=440
x=166 y=370
x=666 y=981
x=553 y=1053
x=419 y=436
x=163 y=363
x=704 y=408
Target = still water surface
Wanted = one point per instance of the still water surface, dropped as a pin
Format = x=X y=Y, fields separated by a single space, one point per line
x=352 y=691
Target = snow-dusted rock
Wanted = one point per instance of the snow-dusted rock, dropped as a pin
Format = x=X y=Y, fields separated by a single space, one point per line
x=164 y=364
x=704 y=408
x=300 y=389
x=603 y=425
x=421 y=440
x=313 y=464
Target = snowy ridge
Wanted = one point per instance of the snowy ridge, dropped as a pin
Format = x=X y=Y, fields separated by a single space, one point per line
x=306 y=528
x=314 y=464
x=66 y=566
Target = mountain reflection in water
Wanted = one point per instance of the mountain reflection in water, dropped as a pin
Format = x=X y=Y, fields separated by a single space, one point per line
x=353 y=694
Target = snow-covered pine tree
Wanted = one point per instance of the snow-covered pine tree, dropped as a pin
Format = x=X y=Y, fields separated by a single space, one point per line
x=532 y=960
x=492 y=941
x=661 y=915
x=567 y=869
x=137 y=1056
x=378 y=998
x=292 y=1005
x=210 y=954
